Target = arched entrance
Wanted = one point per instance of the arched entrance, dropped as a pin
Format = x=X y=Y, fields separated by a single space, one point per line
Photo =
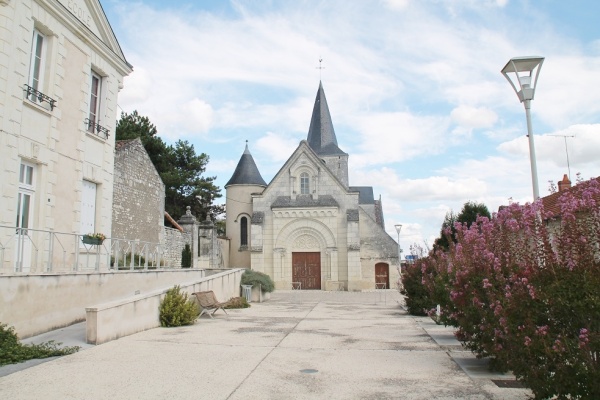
x=382 y=276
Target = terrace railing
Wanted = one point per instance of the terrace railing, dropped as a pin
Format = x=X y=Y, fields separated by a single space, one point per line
x=35 y=251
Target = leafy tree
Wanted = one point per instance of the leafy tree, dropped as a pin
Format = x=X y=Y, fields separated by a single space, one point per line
x=467 y=215
x=471 y=211
x=179 y=167
x=447 y=232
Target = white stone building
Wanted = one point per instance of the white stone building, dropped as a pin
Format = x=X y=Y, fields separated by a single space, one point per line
x=308 y=229
x=61 y=69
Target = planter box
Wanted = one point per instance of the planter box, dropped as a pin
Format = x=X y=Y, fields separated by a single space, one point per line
x=258 y=295
x=92 y=240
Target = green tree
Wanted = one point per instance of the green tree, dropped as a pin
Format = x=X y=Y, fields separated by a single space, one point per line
x=469 y=213
x=179 y=167
x=132 y=126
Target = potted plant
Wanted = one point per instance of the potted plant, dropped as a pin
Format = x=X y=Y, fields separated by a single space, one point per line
x=262 y=285
x=95 y=239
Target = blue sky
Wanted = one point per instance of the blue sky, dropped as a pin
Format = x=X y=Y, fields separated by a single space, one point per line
x=414 y=89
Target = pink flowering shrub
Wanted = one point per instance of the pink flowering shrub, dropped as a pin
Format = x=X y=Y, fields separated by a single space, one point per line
x=524 y=289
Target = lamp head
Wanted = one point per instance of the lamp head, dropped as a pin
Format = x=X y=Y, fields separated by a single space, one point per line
x=524 y=70
x=398 y=228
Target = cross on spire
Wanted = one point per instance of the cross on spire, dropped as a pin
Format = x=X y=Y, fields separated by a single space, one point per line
x=320 y=67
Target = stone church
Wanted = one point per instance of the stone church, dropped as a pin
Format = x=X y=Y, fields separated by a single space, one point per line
x=308 y=228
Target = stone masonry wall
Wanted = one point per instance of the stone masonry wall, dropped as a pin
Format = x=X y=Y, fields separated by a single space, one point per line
x=174 y=242
x=139 y=195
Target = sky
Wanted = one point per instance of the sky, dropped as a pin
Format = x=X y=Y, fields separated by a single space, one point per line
x=414 y=89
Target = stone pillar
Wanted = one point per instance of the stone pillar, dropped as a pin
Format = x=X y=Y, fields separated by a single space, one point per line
x=278 y=260
x=353 y=246
x=205 y=243
x=190 y=225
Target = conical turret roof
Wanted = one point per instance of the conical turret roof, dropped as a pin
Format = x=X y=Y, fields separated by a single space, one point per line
x=321 y=136
x=246 y=172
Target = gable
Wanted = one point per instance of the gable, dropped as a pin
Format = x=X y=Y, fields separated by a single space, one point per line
x=132 y=160
x=304 y=159
x=87 y=18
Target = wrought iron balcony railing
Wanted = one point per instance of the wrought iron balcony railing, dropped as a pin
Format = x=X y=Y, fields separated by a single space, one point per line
x=95 y=128
x=37 y=96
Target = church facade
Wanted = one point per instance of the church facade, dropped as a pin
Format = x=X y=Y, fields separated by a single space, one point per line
x=308 y=228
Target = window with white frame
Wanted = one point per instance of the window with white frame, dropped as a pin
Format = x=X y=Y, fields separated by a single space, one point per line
x=304 y=183
x=95 y=92
x=25 y=196
x=88 y=207
x=37 y=64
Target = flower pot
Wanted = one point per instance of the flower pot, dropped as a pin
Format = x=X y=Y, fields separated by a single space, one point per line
x=92 y=240
x=258 y=296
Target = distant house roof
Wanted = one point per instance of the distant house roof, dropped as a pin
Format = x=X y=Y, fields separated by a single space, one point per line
x=551 y=202
x=365 y=194
x=246 y=172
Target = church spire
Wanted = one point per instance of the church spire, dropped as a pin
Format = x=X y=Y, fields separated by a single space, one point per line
x=246 y=172
x=321 y=136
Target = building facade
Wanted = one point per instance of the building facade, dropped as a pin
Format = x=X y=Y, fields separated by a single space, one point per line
x=308 y=228
x=61 y=69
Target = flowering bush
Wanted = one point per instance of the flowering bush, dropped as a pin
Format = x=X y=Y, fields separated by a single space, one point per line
x=524 y=289
x=418 y=300
x=99 y=236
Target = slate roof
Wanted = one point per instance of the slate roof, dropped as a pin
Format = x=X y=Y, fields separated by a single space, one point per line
x=321 y=136
x=352 y=215
x=246 y=172
x=258 y=217
x=365 y=195
x=305 y=200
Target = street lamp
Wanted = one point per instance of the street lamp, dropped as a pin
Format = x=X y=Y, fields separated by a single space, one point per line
x=398 y=229
x=526 y=71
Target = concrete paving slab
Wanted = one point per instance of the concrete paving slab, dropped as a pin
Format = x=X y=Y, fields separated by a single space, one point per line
x=306 y=345
x=478 y=368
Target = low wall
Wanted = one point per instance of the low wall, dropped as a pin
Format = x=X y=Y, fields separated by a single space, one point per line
x=116 y=319
x=35 y=304
x=174 y=242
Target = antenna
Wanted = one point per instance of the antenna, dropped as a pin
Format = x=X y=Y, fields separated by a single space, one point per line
x=320 y=67
x=566 y=150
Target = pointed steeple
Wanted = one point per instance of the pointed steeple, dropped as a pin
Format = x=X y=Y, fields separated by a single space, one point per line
x=321 y=136
x=246 y=172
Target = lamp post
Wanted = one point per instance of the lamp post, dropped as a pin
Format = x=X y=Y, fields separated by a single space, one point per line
x=526 y=71
x=398 y=229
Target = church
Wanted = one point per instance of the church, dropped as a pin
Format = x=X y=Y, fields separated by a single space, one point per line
x=308 y=229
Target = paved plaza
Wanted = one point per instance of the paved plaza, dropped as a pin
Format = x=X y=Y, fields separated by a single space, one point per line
x=298 y=345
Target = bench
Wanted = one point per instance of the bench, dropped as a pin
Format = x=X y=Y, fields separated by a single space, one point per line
x=209 y=302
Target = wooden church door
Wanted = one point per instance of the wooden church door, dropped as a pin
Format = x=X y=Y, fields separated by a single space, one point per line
x=382 y=276
x=306 y=269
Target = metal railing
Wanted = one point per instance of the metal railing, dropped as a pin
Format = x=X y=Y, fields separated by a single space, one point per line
x=33 y=251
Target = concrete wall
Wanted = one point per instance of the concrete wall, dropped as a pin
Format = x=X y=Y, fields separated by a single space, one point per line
x=110 y=321
x=34 y=304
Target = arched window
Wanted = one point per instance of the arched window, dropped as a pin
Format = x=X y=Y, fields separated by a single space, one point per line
x=244 y=231
x=304 y=183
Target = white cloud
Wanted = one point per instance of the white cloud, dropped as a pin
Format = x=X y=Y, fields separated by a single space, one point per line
x=276 y=147
x=468 y=118
x=414 y=89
